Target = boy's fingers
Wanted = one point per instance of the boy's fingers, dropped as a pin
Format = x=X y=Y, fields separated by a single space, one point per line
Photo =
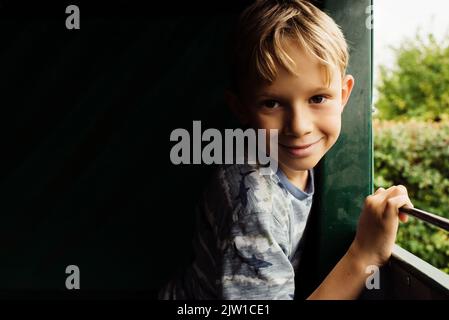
x=394 y=203
x=379 y=190
x=403 y=217
x=390 y=192
x=381 y=195
x=396 y=190
x=386 y=199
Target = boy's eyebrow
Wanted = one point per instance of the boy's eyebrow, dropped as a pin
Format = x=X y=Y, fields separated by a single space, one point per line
x=276 y=94
x=322 y=89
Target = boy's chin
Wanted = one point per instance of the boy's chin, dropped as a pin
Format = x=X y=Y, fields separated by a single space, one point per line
x=298 y=164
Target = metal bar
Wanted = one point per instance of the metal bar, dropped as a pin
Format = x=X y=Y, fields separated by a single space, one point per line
x=431 y=218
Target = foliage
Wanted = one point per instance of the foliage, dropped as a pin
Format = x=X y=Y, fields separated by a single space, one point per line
x=418 y=86
x=416 y=154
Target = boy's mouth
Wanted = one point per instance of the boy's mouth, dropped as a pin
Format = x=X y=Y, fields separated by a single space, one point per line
x=300 y=150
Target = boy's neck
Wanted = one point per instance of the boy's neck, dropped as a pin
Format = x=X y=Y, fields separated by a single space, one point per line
x=297 y=178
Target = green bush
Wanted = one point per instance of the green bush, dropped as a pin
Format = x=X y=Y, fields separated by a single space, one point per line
x=416 y=154
x=418 y=86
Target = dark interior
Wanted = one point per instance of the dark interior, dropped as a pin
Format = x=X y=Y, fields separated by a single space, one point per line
x=86 y=116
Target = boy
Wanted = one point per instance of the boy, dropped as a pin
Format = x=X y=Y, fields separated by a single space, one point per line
x=288 y=74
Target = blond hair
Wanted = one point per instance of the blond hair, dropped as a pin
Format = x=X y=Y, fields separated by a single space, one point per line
x=266 y=24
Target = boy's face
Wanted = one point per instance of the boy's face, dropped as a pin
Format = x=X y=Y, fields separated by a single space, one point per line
x=306 y=112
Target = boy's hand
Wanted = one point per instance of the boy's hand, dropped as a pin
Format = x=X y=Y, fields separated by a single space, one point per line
x=378 y=224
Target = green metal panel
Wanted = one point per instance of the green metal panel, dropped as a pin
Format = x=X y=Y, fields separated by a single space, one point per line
x=344 y=176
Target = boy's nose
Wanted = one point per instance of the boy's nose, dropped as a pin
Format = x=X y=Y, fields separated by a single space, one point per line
x=299 y=122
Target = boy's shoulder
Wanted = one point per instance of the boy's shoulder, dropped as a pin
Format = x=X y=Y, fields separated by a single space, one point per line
x=247 y=172
x=244 y=188
x=245 y=178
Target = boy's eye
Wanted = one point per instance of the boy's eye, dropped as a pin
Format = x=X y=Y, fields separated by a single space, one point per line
x=270 y=104
x=317 y=99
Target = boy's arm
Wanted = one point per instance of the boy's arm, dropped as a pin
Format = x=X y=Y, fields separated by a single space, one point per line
x=346 y=280
x=374 y=240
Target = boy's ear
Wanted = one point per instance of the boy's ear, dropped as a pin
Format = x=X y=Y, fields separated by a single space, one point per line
x=236 y=107
x=346 y=89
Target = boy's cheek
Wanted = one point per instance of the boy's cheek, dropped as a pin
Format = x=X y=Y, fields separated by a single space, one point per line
x=331 y=123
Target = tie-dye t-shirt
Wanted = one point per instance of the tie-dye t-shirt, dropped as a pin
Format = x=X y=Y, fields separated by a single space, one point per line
x=248 y=239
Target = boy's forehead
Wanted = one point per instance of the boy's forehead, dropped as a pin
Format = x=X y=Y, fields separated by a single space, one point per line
x=308 y=78
x=309 y=72
x=309 y=75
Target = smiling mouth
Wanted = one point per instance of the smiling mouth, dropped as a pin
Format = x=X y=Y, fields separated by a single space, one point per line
x=301 y=151
x=304 y=146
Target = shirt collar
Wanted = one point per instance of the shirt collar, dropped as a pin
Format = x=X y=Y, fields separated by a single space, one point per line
x=294 y=190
